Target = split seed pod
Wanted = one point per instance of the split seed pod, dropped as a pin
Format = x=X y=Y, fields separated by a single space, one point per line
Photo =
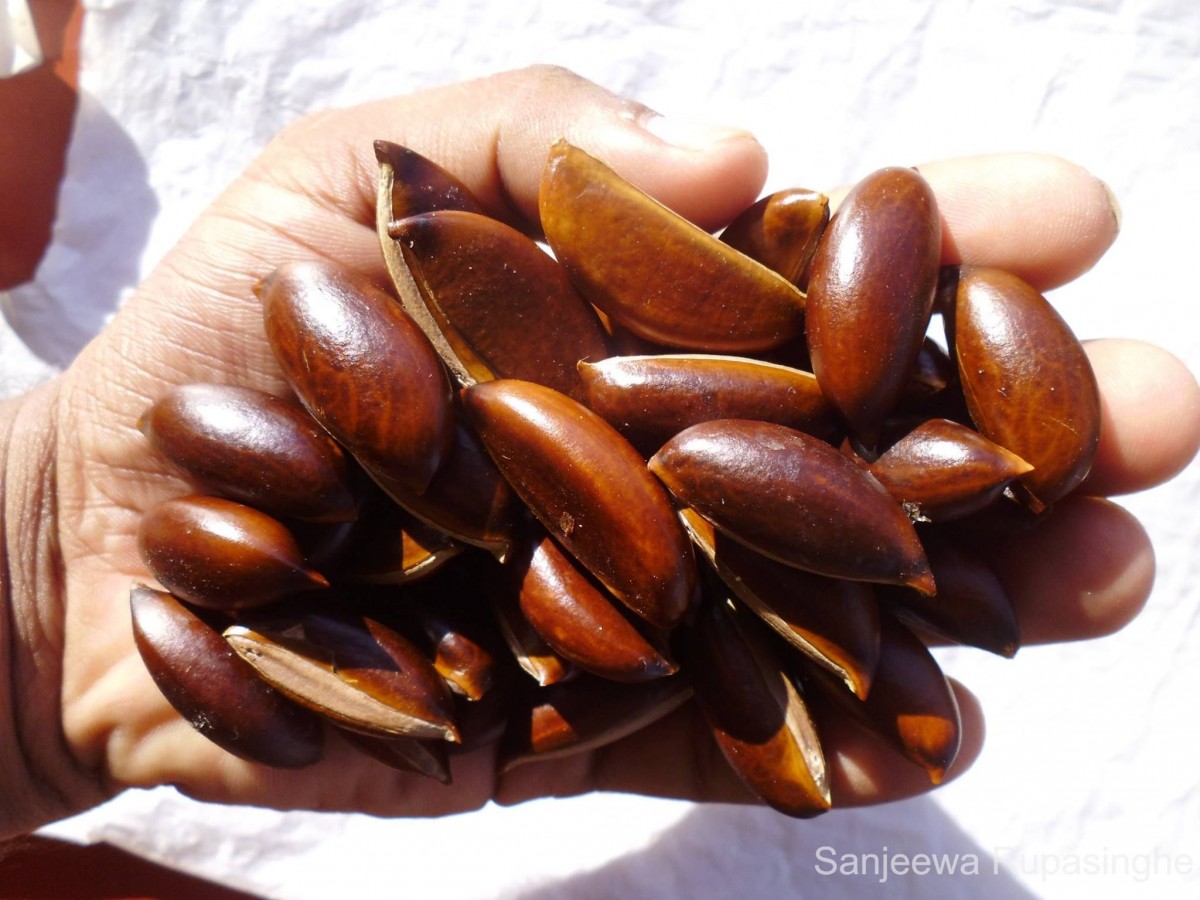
x=691 y=291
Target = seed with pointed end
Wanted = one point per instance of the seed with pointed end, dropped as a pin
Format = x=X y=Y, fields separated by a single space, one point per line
x=795 y=499
x=354 y=671
x=654 y=272
x=942 y=470
x=650 y=399
x=833 y=621
x=781 y=231
x=530 y=650
x=870 y=295
x=221 y=554
x=502 y=306
x=757 y=716
x=1027 y=380
x=585 y=714
x=419 y=185
x=214 y=690
x=971 y=606
x=590 y=489
x=252 y=447
x=578 y=619
x=361 y=367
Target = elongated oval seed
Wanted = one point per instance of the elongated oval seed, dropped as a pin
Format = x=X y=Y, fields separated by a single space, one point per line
x=1027 y=380
x=870 y=295
x=341 y=343
x=590 y=489
x=502 y=305
x=795 y=499
x=221 y=554
x=214 y=690
x=650 y=399
x=252 y=447
x=690 y=291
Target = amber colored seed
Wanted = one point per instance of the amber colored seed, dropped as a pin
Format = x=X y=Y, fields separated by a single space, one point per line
x=419 y=185
x=781 y=231
x=654 y=272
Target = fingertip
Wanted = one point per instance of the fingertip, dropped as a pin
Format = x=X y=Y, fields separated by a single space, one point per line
x=1150 y=416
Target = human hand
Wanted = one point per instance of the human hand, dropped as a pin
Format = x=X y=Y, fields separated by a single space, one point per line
x=82 y=719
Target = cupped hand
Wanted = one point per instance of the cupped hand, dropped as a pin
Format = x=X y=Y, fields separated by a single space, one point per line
x=82 y=718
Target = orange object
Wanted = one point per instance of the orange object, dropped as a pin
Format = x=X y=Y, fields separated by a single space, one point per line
x=37 y=110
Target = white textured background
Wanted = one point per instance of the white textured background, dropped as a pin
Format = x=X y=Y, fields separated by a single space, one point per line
x=1089 y=785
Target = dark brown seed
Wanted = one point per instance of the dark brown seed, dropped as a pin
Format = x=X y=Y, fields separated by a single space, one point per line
x=650 y=399
x=419 y=185
x=362 y=368
x=253 y=447
x=394 y=547
x=870 y=295
x=654 y=272
x=833 y=621
x=578 y=619
x=502 y=306
x=214 y=690
x=221 y=554
x=942 y=470
x=1027 y=380
x=585 y=714
x=795 y=499
x=781 y=231
x=529 y=649
x=405 y=754
x=757 y=716
x=591 y=490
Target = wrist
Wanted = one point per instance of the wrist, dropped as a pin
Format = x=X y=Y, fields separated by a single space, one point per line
x=39 y=778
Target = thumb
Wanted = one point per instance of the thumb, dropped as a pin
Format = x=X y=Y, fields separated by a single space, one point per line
x=494 y=134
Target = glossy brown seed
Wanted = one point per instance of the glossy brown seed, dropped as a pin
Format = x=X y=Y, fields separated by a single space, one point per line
x=1027 y=380
x=221 y=554
x=578 y=619
x=214 y=690
x=971 y=606
x=654 y=272
x=354 y=671
x=419 y=185
x=591 y=490
x=795 y=499
x=585 y=714
x=942 y=470
x=781 y=231
x=361 y=367
x=467 y=499
x=502 y=306
x=454 y=625
x=650 y=399
x=870 y=295
x=757 y=716
x=833 y=621
x=253 y=447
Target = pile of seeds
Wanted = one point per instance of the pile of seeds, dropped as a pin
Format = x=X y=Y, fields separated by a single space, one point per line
x=540 y=502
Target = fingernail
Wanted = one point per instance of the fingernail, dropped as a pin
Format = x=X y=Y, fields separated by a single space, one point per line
x=689 y=134
x=1113 y=203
